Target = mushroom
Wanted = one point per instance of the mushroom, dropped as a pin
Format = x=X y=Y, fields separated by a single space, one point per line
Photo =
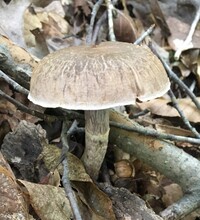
x=94 y=79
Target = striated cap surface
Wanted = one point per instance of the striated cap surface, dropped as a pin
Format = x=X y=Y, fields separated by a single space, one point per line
x=98 y=77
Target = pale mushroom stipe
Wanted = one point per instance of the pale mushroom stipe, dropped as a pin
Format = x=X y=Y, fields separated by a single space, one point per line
x=97 y=78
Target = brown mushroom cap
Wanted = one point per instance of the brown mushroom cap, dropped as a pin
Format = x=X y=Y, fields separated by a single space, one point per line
x=98 y=77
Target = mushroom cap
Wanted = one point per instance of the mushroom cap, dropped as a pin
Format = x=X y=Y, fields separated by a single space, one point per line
x=98 y=77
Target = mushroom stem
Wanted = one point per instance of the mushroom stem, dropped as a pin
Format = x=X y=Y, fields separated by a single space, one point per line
x=96 y=140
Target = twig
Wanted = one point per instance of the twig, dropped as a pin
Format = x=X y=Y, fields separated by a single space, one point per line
x=141 y=113
x=181 y=84
x=185 y=120
x=188 y=39
x=65 y=178
x=154 y=133
x=164 y=157
x=50 y=118
x=171 y=74
x=90 y=29
x=110 y=20
x=21 y=107
x=14 y=84
x=145 y=34
x=176 y=79
x=71 y=115
x=97 y=26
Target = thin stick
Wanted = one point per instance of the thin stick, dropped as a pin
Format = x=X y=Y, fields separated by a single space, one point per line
x=154 y=133
x=185 y=120
x=97 y=26
x=72 y=114
x=94 y=13
x=21 y=107
x=171 y=74
x=176 y=79
x=145 y=34
x=110 y=20
x=188 y=39
x=136 y=115
x=50 y=118
x=65 y=178
x=14 y=84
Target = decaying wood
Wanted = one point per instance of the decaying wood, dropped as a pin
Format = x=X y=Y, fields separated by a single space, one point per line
x=127 y=205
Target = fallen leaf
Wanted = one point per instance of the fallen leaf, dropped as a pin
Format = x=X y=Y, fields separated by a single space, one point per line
x=162 y=107
x=173 y=130
x=179 y=31
x=49 y=202
x=124 y=27
x=98 y=204
x=173 y=193
x=11 y=197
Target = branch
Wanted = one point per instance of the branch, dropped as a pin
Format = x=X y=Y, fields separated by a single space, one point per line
x=50 y=118
x=16 y=62
x=94 y=13
x=181 y=113
x=98 y=26
x=145 y=34
x=175 y=78
x=153 y=133
x=15 y=85
x=164 y=157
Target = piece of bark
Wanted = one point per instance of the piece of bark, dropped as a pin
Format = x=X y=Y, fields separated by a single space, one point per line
x=128 y=205
x=21 y=148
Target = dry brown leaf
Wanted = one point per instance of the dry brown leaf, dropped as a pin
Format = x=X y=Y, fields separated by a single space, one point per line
x=98 y=204
x=49 y=202
x=51 y=155
x=162 y=107
x=84 y=5
x=189 y=58
x=185 y=72
x=96 y=201
x=179 y=31
x=42 y=27
x=173 y=193
x=31 y=22
x=173 y=130
x=124 y=27
x=159 y=17
x=11 y=197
